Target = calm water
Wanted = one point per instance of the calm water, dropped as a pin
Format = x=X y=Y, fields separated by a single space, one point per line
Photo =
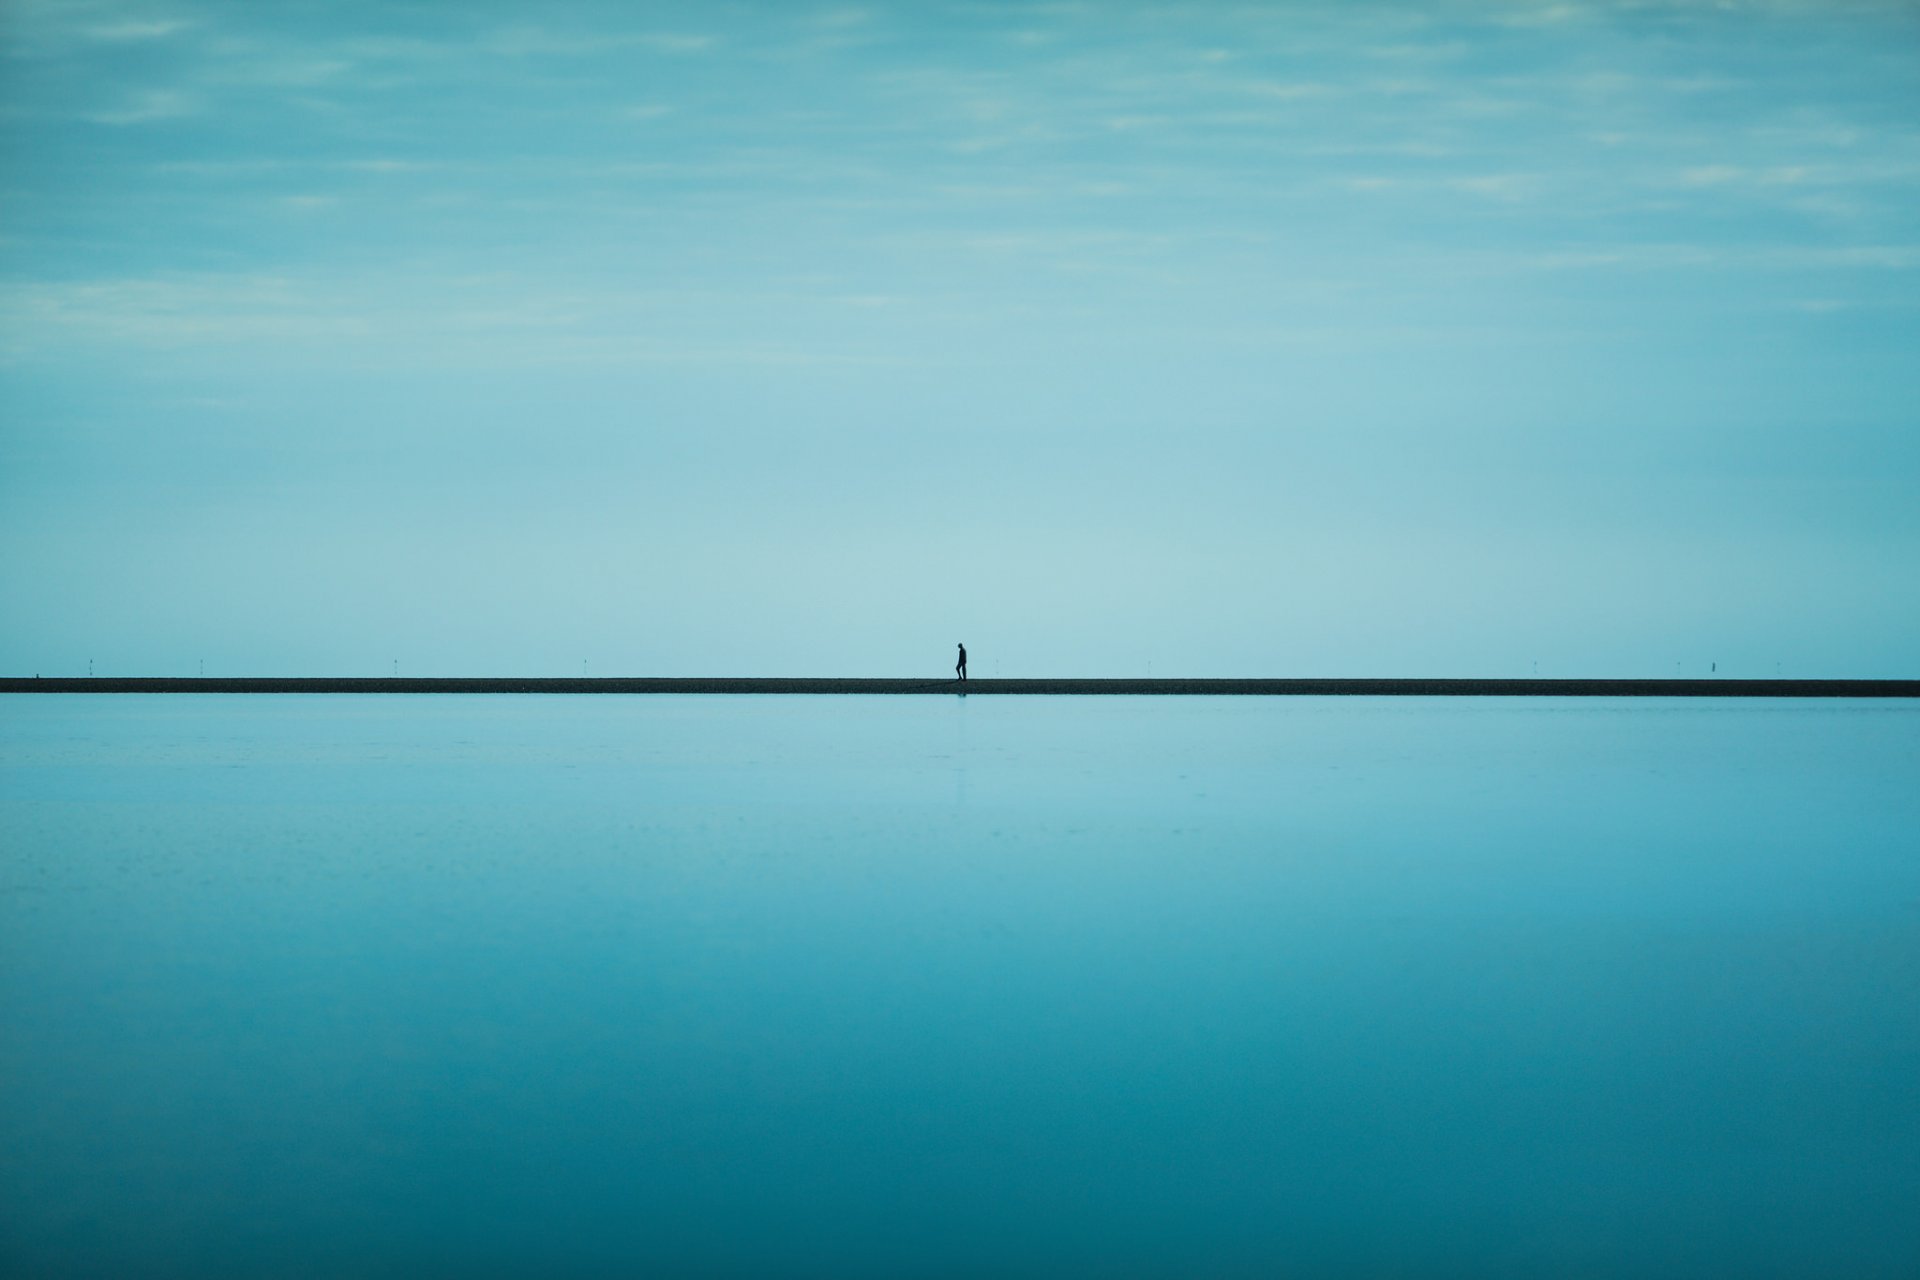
x=834 y=986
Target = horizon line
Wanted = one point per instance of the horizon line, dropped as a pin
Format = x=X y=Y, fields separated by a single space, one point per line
x=1397 y=686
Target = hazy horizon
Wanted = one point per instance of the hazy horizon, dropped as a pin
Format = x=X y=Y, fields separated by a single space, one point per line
x=1440 y=339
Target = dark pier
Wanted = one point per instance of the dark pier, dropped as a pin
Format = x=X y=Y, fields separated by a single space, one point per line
x=1364 y=687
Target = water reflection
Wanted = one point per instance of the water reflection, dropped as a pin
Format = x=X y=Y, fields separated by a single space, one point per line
x=873 y=986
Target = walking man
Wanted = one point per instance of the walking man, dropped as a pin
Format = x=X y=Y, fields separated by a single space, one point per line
x=960 y=667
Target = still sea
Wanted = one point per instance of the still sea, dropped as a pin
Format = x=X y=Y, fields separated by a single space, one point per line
x=731 y=986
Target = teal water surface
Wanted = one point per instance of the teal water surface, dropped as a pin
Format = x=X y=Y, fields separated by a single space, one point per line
x=842 y=986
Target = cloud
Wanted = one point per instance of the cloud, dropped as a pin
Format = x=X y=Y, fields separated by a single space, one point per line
x=274 y=71
x=1496 y=186
x=1553 y=14
x=402 y=321
x=135 y=30
x=1762 y=257
x=384 y=164
x=38 y=28
x=1886 y=257
x=147 y=108
x=1506 y=187
x=527 y=41
x=848 y=17
x=1782 y=175
x=1289 y=91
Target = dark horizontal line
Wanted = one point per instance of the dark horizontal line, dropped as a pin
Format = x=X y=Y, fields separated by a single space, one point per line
x=676 y=684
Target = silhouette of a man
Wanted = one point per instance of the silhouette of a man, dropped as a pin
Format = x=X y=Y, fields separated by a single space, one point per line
x=960 y=667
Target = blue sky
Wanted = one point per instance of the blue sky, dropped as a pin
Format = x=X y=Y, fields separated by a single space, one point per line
x=1215 y=339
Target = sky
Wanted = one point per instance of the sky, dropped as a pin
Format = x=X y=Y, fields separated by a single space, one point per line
x=1453 y=338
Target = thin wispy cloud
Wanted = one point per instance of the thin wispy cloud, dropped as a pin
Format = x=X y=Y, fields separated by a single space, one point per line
x=137 y=29
x=536 y=41
x=147 y=108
